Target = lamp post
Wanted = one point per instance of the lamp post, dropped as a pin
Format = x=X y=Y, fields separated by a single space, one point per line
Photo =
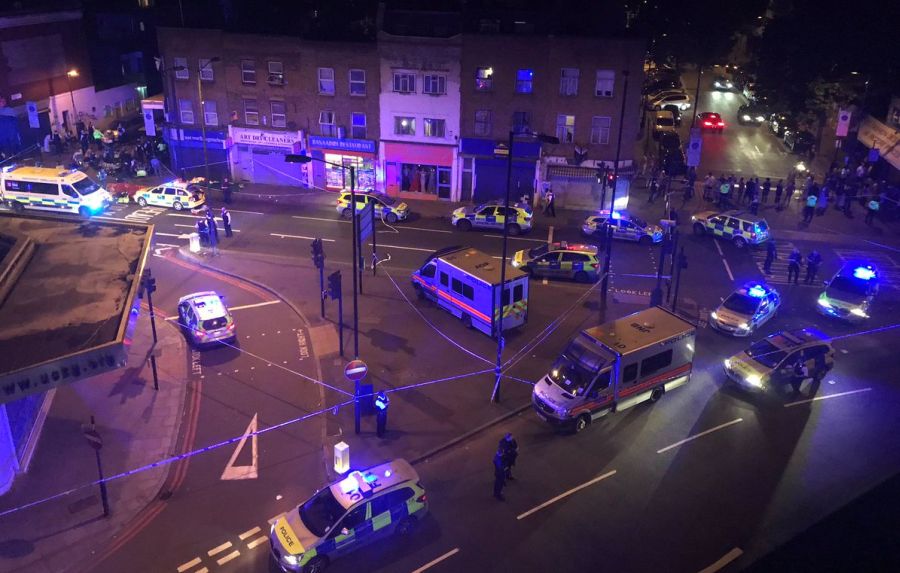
x=495 y=395
x=73 y=73
x=200 y=67
x=612 y=203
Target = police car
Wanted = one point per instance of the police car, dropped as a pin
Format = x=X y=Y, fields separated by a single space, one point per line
x=205 y=319
x=770 y=361
x=624 y=226
x=560 y=260
x=364 y=507
x=493 y=215
x=745 y=309
x=850 y=293
x=175 y=194
x=385 y=207
x=740 y=227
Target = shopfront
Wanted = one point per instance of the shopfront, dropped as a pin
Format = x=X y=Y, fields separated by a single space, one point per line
x=419 y=171
x=257 y=156
x=188 y=152
x=485 y=163
x=338 y=155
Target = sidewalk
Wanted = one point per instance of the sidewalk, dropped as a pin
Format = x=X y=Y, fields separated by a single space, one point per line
x=138 y=426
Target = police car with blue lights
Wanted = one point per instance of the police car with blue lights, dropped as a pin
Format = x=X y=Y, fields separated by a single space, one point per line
x=205 y=319
x=849 y=295
x=176 y=195
x=746 y=309
x=624 y=226
x=770 y=361
x=560 y=260
x=493 y=215
x=740 y=227
x=50 y=189
x=364 y=507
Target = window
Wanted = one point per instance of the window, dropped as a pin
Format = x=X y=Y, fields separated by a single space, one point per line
x=630 y=373
x=404 y=125
x=358 y=125
x=186 y=108
x=326 y=81
x=574 y=258
x=568 y=82
x=429 y=270
x=606 y=80
x=384 y=503
x=206 y=70
x=521 y=121
x=210 y=115
x=434 y=127
x=279 y=119
x=355 y=518
x=248 y=72
x=251 y=112
x=484 y=79
x=434 y=85
x=404 y=82
x=467 y=291
x=656 y=363
x=483 y=122
x=565 y=128
x=602 y=382
x=517 y=294
x=445 y=279
x=326 y=123
x=524 y=81
x=183 y=73
x=600 y=130
x=276 y=73
x=357 y=82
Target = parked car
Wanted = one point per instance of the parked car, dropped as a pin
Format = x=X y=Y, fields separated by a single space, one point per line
x=780 y=122
x=799 y=141
x=661 y=84
x=682 y=100
x=676 y=112
x=671 y=154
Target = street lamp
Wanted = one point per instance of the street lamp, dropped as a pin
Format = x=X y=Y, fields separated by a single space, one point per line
x=495 y=395
x=73 y=73
x=612 y=204
x=200 y=68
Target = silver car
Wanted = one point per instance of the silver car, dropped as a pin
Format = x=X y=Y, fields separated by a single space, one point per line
x=746 y=309
x=624 y=226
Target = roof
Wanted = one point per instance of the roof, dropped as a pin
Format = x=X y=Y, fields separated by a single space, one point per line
x=207 y=304
x=386 y=475
x=480 y=265
x=743 y=215
x=792 y=338
x=640 y=330
x=46 y=174
x=578 y=247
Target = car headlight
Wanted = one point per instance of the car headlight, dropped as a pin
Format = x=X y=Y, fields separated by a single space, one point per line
x=744 y=326
x=713 y=315
x=292 y=559
x=727 y=363
x=859 y=311
x=760 y=118
x=753 y=380
x=515 y=263
x=746 y=117
x=823 y=302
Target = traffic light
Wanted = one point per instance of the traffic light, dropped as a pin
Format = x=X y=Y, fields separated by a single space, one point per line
x=317 y=251
x=334 y=285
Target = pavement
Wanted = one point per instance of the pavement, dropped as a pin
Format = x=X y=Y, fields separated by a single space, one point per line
x=58 y=523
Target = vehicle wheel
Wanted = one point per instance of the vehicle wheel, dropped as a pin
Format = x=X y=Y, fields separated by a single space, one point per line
x=645 y=240
x=740 y=242
x=581 y=277
x=699 y=229
x=391 y=218
x=346 y=213
x=142 y=201
x=316 y=564
x=178 y=205
x=406 y=525
x=514 y=229
x=464 y=225
x=467 y=321
x=657 y=393
x=582 y=422
x=84 y=212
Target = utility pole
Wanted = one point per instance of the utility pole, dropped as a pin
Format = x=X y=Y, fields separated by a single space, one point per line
x=150 y=287
x=604 y=287
x=498 y=368
x=696 y=95
x=357 y=272
x=682 y=264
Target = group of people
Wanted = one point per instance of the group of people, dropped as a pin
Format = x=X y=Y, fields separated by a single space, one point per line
x=795 y=263
x=728 y=191
x=208 y=229
x=504 y=460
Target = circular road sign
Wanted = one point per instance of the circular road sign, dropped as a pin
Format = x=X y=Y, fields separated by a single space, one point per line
x=355 y=370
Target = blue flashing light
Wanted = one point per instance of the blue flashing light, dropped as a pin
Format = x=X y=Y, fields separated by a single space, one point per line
x=616 y=215
x=864 y=273
x=370 y=477
x=757 y=291
x=387 y=473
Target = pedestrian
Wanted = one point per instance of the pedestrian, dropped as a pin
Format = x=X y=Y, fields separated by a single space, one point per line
x=771 y=256
x=510 y=449
x=211 y=221
x=654 y=190
x=754 y=204
x=813 y=262
x=708 y=184
x=871 y=210
x=799 y=374
x=156 y=165
x=810 y=208
x=740 y=189
x=226 y=191
x=550 y=208
x=766 y=187
x=794 y=262
x=724 y=190
x=499 y=474
x=779 y=191
x=203 y=231
x=226 y=222
x=822 y=204
x=750 y=190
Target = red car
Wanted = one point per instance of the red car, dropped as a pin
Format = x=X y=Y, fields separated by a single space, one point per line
x=711 y=120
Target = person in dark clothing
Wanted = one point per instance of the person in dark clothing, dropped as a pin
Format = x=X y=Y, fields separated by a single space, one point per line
x=771 y=256
x=213 y=227
x=779 y=190
x=754 y=204
x=751 y=189
x=813 y=261
x=654 y=190
x=800 y=373
x=499 y=475
x=766 y=187
x=203 y=231
x=226 y=222
x=550 y=209
x=794 y=262
x=510 y=449
x=226 y=190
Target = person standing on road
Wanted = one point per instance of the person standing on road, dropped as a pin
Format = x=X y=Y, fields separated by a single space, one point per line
x=499 y=474
x=794 y=262
x=771 y=256
x=155 y=166
x=822 y=204
x=739 y=189
x=226 y=190
x=779 y=191
x=766 y=187
x=724 y=189
x=810 y=208
x=800 y=373
x=550 y=208
x=813 y=262
x=708 y=184
x=654 y=190
x=510 y=449
x=872 y=210
x=226 y=222
x=754 y=203
x=751 y=190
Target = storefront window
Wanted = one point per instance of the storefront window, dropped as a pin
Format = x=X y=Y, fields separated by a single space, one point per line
x=338 y=178
x=432 y=179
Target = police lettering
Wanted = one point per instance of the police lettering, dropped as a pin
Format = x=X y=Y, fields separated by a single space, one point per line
x=288 y=540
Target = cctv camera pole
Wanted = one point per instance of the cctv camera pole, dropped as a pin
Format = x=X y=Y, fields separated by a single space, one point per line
x=498 y=369
x=612 y=203
x=149 y=287
x=357 y=272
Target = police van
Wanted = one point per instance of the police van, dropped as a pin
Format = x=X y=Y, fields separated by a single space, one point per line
x=615 y=366
x=52 y=189
x=466 y=283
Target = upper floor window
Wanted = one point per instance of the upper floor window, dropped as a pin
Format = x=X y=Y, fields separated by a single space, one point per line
x=404 y=125
x=248 y=72
x=186 y=109
x=251 y=111
x=358 y=82
x=276 y=73
x=326 y=81
x=206 y=70
x=181 y=68
x=568 y=82
x=210 y=114
x=600 y=130
x=404 y=82
x=279 y=118
x=434 y=127
x=484 y=79
x=483 y=122
x=358 y=125
x=326 y=123
x=606 y=80
x=524 y=81
x=434 y=84
x=565 y=128
x=521 y=121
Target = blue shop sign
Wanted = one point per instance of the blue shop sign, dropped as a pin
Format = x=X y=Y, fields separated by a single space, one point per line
x=522 y=150
x=194 y=138
x=354 y=145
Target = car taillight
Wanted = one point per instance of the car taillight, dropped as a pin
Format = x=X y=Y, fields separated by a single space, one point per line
x=707 y=123
x=230 y=326
x=422 y=498
x=721 y=124
x=595 y=266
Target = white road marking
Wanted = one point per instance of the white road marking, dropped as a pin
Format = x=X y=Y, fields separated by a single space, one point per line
x=321 y=219
x=219 y=549
x=408 y=248
x=228 y=557
x=194 y=227
x=185 y=566
x=567 y=494
x=756 y=147
x=283 y=236
x=550 y=235
x=728 y=270
x=256 y=542
x=725 y=560
x=183 y=215
x=202 y=570
x=249 y=533
x=246 y=306
x=157 y=233
x=434 y=562
x=424 y=229
x=797 y=403
x=167 y=245
x=232 y=472
x=516 y=238
x=700 y=435
x=718 y=247
x=247 y=212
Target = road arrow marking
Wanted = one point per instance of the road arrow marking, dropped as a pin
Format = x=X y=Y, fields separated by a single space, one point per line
x=232 y=472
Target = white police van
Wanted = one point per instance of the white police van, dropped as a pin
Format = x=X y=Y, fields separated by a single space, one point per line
x=52 y=189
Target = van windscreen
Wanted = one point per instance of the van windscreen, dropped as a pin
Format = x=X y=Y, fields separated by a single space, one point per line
x=577 y=367
x=86 y=186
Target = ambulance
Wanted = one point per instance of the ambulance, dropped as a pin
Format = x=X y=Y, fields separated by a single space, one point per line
x=466 y=283
x=615 y=366
x=51 y=189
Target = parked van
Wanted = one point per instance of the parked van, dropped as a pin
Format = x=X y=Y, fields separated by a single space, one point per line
x=51 y=189
x=663 y=121
x=615 y=366
x=466 y=283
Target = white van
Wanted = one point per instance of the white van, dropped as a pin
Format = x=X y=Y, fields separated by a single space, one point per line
x=615 y=366
x=52 y=189
x=663 y=121
x=466 y=283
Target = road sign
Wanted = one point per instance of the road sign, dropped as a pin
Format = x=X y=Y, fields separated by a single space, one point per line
x=843 y=124
x=694 y=147
x=355 y=370
x=93 y=437
x=365 y=221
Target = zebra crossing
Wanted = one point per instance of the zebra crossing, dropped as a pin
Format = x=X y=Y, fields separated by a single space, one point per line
x=779 y=274
x=888 y=269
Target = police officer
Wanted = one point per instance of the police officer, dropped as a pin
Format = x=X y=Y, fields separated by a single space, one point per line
x=779 y=191
x=813 y=261
x=226 y=191
x=771 y=255
x=499 y=474
x=510 y=449
x=226 y=222
x=794 y=262
x=766 y=187
x=872 y=210
x=800 y=373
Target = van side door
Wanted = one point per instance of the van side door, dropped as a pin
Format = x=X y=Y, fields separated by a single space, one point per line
x=601 y=391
